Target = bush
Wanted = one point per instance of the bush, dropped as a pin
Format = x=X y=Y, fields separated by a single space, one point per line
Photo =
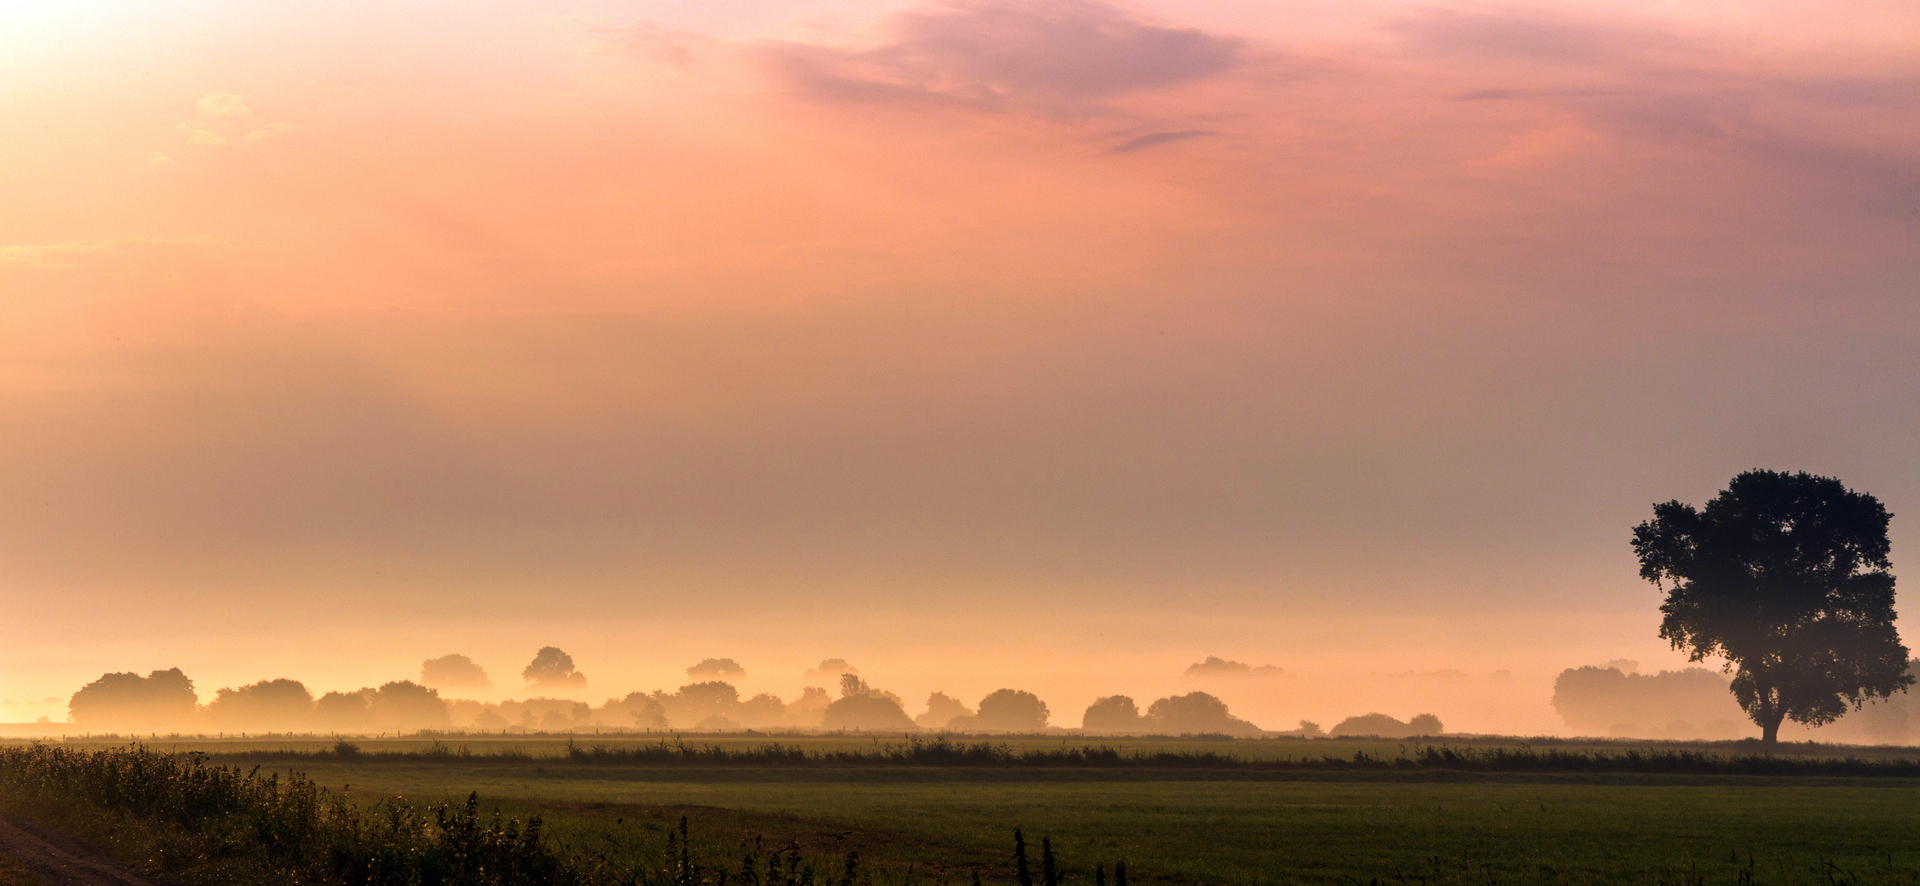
x=296 y=832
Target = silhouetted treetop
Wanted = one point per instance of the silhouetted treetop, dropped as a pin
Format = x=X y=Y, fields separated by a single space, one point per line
x=941 y=709
x=160 y=700
x=830 y=670
x=269 y=705
x=405 y=706
x=717 y=669
x=1114 y=713
x=1786 y=577
x=342 y=710
x=554 y=668
x=1011 y=710
x=863 y=707
x=456 y=671
x=1215 y=666
x=1387 y=727
x=1196 y=712
x=1688 y=703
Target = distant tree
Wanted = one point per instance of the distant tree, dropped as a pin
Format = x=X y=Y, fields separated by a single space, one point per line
x=941 y=709
x=1012 y=710
x=456 y=671
x=465 y=712
x=1690 y=703
x=342 y=711
x=491 y=719
x=761 y=711
x=1196 y=712
x=717 y=669
x=637 y=709
x=1786 y=577
x=162 y=700
x=862 y=707
x=872 y=713
x=695 y=702
x=1115 y=713
x=830 y=670
x=1889 y=720
x=269 y=705
x=1215 y=666
x=852 y=685
x=406 y=706
x=552 y=668
x=549 y=714
x=1386 y=727
x=809 y=708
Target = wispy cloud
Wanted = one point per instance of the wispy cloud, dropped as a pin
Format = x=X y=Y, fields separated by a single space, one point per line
x=1052 y=54
x=1667 y=90
x=1151 y=139
x=1531 y=35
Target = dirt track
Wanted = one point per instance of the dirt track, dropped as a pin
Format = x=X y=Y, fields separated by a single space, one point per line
x=56 y=859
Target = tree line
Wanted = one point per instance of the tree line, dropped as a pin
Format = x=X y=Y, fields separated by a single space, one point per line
x=166 y=701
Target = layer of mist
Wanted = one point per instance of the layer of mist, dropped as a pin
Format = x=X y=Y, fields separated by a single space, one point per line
x=1614 y=700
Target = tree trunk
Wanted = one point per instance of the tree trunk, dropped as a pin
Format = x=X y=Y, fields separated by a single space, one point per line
x=1770 y=727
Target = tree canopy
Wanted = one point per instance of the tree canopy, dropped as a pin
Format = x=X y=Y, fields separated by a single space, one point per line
x=274 y=705
x=454 y=671
x=863 y=707
x=1786 y=577
x=160 y=700
x=1011 y=710
x=718 y=668
x=1196 y=712
x=552 y=668
x=1113 y=713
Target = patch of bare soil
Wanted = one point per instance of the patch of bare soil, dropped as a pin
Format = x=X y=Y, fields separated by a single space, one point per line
x=55 y=859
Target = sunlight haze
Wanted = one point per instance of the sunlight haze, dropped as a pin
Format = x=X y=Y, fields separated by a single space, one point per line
x=1053 y=345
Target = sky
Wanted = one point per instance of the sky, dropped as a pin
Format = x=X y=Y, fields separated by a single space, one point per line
x=1058 y=343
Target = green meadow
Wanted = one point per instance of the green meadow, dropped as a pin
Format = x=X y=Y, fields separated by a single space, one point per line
x=1219 y=825
x=1244 y=830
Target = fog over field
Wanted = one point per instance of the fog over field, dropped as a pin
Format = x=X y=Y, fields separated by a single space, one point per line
x=1214 y=697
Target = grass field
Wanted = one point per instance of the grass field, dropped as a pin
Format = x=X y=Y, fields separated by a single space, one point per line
x=1215 y=827
x=1243 y=831
x=555 y=745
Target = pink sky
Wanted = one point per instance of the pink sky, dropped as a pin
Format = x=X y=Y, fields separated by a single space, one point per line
x=1055 y=342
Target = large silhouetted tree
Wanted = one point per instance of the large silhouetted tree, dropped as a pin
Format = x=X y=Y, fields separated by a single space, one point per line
x=1786 y=577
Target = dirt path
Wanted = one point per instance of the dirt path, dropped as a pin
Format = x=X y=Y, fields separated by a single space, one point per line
x=55 y=859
